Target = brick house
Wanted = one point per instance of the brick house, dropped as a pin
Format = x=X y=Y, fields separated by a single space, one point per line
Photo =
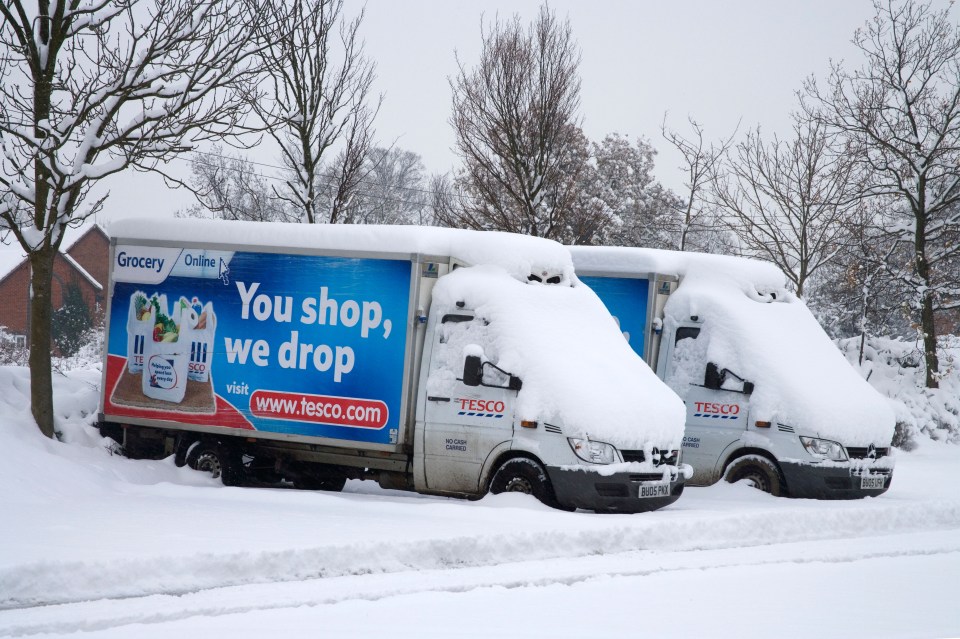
x=84 y=264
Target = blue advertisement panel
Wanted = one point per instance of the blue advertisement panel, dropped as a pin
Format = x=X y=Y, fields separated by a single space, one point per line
x=296 y=344
x=626 y=299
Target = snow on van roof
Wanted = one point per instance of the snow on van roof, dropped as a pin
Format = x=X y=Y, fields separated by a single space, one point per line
x=801 y=378
x=633 y=260
x=519 y=255
x=577 y=370
x=760 y=331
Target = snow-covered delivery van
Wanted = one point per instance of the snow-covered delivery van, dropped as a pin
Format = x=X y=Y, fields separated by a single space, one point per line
x=436 y=360
x=769 y=398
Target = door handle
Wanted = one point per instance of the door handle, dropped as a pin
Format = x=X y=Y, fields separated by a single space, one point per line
x=437 y=399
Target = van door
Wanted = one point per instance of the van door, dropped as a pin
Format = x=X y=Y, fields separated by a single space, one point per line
x=463 y=424
x=716 y=402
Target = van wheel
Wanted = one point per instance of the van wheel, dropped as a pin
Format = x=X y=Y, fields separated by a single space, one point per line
x=332 y=483
x=217 y=460
x=522 y=475
x=759 y=471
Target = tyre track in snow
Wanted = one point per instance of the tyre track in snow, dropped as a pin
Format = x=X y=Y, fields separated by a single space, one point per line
x=92 y=616
x=55 y=582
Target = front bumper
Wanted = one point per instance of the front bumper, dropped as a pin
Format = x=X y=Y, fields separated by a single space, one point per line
x=616 y=493
x=812 y=481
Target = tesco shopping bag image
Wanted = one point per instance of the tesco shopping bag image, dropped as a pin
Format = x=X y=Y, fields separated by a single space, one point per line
x=166 y=355
x=141 y=319
x=202 y=322
x=169 y=355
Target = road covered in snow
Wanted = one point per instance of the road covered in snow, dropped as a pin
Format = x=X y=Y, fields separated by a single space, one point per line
x=94 y=543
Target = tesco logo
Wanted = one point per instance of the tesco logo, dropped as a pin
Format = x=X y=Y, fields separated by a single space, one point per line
x=710 y=408
x=481 y=405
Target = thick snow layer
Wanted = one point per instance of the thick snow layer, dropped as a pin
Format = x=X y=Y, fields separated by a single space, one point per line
x=520 y=255
x=91 y=542
x=631 y=260
x=802 y=379
x=577 y=370
x=758 y=330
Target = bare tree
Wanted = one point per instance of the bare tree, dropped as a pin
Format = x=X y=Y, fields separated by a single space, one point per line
x=92 y=88
x=787 y=201
x=393 y=190
x=446 y=200
x=858 y=292
x=699 y=228
x=516 y=125
x=901 y=113
x=230 y=188
x=318 y=88
x=638 y=211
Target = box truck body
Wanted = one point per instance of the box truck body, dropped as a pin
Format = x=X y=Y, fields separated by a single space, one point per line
x=768 y=396
x=436 y=360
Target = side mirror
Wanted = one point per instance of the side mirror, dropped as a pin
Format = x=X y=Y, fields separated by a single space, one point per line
x=472 y=370
x=515 y=383
x=712 y=379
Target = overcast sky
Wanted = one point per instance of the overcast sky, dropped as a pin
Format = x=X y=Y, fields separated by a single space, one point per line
x=718 y=61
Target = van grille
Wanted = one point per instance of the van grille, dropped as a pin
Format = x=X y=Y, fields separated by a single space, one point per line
x=856 y=452
x=646 y=477
x=612 y=490
x=665 y=456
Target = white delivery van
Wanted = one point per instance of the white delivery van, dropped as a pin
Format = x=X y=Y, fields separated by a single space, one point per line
x=768 y=396
x=436 y=360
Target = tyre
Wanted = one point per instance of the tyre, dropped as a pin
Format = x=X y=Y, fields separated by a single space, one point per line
x=332 y=483
x=760 y=472
x=111 y=430
x=522 y=475
x=216 y=459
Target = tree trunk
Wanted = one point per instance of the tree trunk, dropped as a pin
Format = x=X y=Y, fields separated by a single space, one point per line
x=41 y=311
x=929 y=341
x=922 y=267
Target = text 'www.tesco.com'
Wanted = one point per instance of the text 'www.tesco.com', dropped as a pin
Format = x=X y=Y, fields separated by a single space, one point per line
x=322 y=409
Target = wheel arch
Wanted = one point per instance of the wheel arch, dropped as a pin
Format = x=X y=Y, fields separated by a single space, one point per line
x=496 y=459
x=747 y=451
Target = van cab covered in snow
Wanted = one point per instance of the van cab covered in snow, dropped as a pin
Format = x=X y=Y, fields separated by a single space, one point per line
x=768 y=396
x=436 y=360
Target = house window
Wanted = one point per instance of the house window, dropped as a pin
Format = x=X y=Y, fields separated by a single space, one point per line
x=20 y=341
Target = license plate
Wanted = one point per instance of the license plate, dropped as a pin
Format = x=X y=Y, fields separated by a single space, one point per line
x=654 y=490
x=871 y=482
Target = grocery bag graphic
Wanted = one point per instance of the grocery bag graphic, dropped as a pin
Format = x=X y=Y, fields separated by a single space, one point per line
x=166 y=353
x=203 y=324
x=141 y=320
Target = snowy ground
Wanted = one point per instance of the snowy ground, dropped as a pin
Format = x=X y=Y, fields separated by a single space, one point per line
x=98 y=544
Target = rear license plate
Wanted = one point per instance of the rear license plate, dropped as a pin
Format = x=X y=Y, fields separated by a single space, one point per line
x=654 y=490
x=871 y=482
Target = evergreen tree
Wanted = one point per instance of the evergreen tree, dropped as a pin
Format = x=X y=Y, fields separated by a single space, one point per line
x=71 y=321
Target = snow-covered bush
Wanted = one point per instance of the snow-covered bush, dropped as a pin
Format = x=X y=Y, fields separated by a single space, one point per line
x=10 y=352
x=895 y=368
x=88 y=352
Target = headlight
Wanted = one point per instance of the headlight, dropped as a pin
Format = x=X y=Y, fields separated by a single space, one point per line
x=594 y=452
x=824 y=448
